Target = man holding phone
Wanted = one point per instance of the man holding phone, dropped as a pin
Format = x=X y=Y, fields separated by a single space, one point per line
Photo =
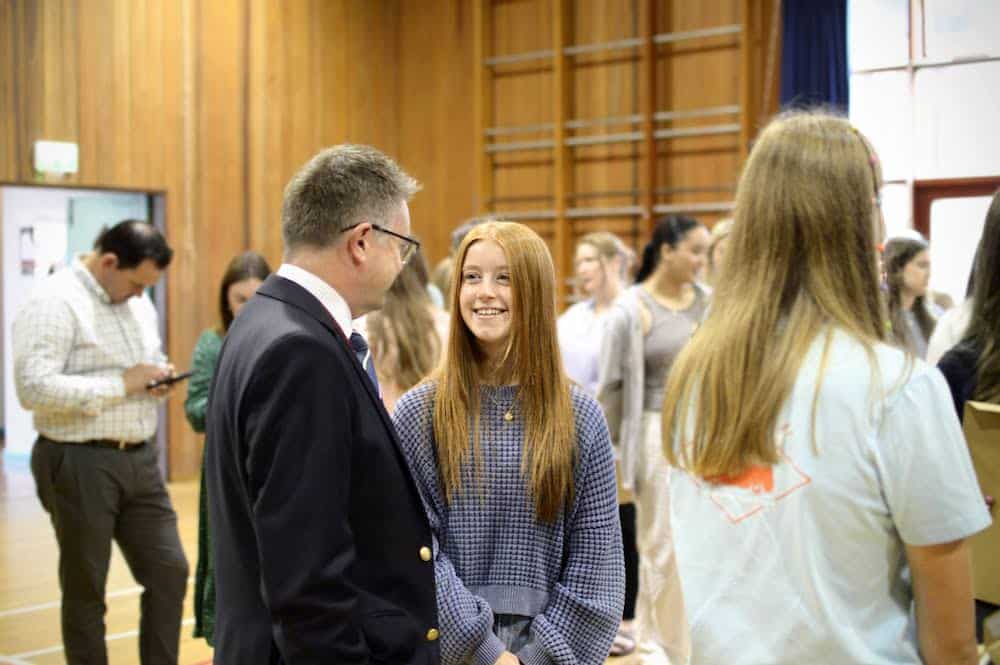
x=86 y=351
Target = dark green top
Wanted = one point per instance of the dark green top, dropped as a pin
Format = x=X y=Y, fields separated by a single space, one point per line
x=206 y=354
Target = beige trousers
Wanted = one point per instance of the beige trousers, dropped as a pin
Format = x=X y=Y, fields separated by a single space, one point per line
x=661 y=624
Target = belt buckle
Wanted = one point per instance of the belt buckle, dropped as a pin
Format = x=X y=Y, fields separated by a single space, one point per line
x=122 y=444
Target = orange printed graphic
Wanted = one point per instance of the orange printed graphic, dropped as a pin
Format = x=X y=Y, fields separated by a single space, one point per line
x=729 y=493
x=756 y=479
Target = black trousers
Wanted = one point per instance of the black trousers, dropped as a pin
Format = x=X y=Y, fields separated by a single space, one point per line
x=94 y=496
x=626 y=512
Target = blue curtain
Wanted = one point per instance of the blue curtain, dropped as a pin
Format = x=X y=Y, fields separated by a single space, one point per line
x=814 y=53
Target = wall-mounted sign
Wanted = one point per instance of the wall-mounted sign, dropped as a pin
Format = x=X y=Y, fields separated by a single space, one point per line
x=56 y=157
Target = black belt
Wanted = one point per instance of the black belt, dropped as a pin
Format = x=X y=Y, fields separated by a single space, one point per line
x=102 y=443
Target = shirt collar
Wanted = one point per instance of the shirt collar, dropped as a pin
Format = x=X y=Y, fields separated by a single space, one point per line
x=323 y=292
x=89 y=281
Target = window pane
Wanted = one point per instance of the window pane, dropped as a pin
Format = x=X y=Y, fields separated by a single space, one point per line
x=956 y=225
x=955 y=121
x=876 y=33
x=961 y=28
x=881 y=107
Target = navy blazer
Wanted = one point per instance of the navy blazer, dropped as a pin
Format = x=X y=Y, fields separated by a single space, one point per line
x=321 y=544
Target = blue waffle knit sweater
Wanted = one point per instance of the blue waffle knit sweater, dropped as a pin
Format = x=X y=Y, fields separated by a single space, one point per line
x=492 y=556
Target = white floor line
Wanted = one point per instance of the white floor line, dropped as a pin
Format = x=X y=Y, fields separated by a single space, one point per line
x=19 y=657
x=130 y=591
x=10 y=660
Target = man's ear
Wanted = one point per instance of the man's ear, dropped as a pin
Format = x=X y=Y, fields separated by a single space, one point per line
x=108 y=260
x=358 y=241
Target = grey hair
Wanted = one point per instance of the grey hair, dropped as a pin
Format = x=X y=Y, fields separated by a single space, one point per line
x=338 y=188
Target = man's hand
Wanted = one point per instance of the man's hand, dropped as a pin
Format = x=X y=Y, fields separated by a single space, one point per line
x=507 y=658
x=138 y=377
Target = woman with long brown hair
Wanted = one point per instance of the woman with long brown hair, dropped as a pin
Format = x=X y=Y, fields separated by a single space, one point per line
x=243 y=275
x=906 y=262
x=406 y=335
x=972 y=367
x=516 y=470
x=820 y=483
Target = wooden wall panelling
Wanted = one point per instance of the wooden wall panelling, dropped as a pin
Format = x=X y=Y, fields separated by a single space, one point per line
x=649 y=12
x=484 y=101
x=696 y=74
x=607 y=85
x=746 y=76
x=171 y=156
x=441 y=116
x=763 y=52
x=212 y=230
x=9 y=97
x=523 y=95
x=562 y=90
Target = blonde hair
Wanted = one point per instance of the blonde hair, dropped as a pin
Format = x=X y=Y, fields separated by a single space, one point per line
x=532 y=359
x=720 y=231
x=403 y=332
x=801 y=262
x=608 y=246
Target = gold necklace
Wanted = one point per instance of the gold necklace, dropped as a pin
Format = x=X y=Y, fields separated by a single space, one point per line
x=508 y=411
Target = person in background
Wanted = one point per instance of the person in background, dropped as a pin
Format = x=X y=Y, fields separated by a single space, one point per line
x=649 y=325
x=86 y=350
x=243 y=275
x=951 y=327
x=717 y=249
x=907 y=265
x=406 y=336
x=516 y=468
x=972 y=368
x=600 y=266
x=821 y=489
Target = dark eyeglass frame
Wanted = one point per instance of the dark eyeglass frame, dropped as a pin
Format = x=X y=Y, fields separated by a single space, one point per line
x=406 y=251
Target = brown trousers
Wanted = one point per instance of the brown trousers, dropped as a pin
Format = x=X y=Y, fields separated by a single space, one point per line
x=94 y=496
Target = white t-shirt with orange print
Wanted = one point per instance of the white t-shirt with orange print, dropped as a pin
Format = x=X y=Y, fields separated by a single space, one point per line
x=804 y=561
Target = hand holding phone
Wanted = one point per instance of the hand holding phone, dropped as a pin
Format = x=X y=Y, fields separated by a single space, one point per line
x=168 y=380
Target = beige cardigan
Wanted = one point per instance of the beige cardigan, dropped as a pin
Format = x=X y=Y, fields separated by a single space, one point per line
x=621 y=377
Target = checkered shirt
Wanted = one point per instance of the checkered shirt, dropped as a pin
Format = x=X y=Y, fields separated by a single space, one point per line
x=494 y=557
x=71 y=347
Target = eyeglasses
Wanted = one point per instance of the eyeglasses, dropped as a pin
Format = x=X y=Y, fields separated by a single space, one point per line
x=407 y=248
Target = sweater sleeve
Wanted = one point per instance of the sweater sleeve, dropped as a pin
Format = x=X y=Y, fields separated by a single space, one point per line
x=466 y=620
x=585 y=606
x=206 y=355
x=611 y=369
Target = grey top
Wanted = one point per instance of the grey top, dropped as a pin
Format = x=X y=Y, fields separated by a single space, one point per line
x=493 y=556
x=621 y=378
x=669 y=331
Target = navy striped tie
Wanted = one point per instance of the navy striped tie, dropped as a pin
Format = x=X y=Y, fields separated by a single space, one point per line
x=360 y=348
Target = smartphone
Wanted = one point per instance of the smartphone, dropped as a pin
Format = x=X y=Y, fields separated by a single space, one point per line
x=168 y=380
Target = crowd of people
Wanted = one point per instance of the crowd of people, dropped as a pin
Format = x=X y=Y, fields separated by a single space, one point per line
x=743 y=447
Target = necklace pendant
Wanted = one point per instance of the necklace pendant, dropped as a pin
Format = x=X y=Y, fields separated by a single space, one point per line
x=508 y=416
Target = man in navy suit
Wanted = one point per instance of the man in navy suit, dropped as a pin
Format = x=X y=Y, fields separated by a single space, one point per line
x=322 y=548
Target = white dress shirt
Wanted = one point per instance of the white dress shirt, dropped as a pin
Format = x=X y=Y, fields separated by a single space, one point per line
x=326 y=294
x=71 y=348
